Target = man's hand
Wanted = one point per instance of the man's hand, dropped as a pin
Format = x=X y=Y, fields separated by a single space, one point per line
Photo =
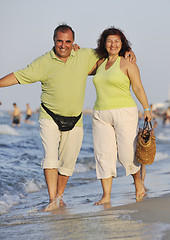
x=131 y=56
x=75 y=47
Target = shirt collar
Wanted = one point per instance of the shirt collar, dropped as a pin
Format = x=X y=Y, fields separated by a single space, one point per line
x=55 y=57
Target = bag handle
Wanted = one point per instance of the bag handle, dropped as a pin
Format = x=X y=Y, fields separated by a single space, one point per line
x=147 y=125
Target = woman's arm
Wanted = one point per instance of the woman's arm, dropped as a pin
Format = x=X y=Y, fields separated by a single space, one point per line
x=137 y=87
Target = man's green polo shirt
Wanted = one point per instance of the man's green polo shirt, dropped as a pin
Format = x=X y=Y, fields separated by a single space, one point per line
x=63 y=84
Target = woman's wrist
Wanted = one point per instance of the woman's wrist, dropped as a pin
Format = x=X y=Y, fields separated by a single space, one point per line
x=146 y=109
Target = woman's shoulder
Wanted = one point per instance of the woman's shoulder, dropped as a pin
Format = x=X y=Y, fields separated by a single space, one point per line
x=124 y=62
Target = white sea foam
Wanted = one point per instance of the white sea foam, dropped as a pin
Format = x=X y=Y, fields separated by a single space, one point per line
x=164 y=136
x=161 y=156
x=161 y=136
x=8 y=200
x=80 y=168
x=1 y=114
x=7 y=130
x=31 y=186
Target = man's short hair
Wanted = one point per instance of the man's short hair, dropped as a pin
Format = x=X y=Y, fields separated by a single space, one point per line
x=63 y=28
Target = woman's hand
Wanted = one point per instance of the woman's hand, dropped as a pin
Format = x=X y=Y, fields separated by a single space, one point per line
x=147 y=115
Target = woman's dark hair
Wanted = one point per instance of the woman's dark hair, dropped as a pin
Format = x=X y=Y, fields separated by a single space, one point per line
x=101 y=50
x=63 y=28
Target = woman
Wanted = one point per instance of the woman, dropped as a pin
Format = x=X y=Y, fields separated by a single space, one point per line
x=115 y=115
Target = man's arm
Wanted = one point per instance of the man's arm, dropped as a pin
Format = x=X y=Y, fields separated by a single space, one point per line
x=131 y=56
x=95 y=67
x=8 y=80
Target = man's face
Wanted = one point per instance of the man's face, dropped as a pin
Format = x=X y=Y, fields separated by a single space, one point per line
x=63 y=44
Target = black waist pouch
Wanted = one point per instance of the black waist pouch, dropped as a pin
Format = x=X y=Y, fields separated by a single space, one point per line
x=64 y=123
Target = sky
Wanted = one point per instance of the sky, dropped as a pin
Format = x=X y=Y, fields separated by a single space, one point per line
x=26 y=32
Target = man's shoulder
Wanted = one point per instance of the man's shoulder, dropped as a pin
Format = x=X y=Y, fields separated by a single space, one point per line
x=44 y=56
x=41 y=60
x=86 y=52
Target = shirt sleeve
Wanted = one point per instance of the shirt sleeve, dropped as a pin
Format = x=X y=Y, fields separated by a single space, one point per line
x=30 y=74
x=93 y=58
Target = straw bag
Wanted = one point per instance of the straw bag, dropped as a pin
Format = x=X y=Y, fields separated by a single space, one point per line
x=146 y=145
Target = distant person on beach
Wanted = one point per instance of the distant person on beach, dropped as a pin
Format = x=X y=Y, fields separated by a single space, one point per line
x=28 y=114
x=167 y=115
x=62 y=73
x=115 y=115
x=16 y=115
x=0 y=103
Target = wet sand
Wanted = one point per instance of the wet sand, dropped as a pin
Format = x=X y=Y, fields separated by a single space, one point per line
x=153 y=210
x=145 y=220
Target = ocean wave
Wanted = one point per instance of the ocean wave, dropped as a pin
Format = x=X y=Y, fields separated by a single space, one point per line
x=1 y=114
x=85 y=164
x=7 y=130
x=31 y=186
x=79 y=168
x=161 y=156
x=163 y=135
x=9 y=199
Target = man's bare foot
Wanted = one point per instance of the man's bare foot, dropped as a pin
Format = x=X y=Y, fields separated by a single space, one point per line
x=103 y=200
x=61 y=202
x=53 y=205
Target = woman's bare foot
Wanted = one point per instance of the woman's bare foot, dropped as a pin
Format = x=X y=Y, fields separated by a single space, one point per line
x=140 y=190
x=140 y=197
x=107 y=187
x=139 y=186
x=103 y=200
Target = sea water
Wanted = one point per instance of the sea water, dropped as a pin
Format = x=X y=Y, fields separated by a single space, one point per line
x=23 y=191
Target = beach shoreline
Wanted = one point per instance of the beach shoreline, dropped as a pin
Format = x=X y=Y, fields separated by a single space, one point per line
x=150 y=210
x=145 y=220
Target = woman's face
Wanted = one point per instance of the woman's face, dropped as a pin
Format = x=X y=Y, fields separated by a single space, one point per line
x=113 y=44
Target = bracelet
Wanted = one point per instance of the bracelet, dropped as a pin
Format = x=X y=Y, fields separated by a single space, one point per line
x=147 y=109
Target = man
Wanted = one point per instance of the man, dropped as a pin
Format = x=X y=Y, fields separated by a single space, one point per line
x=62 y=73
x=16 y=115
x=28 y=114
